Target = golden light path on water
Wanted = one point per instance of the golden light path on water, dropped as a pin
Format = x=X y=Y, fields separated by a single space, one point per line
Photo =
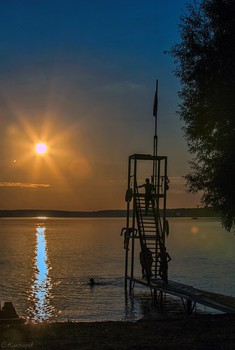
x=40 y=290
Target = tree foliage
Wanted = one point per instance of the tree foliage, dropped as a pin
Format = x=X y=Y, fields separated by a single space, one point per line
x=205 y=65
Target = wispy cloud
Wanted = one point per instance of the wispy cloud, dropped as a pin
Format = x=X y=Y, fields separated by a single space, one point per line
x=22 y=185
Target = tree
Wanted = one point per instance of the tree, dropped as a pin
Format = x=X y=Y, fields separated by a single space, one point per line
x=205 y=65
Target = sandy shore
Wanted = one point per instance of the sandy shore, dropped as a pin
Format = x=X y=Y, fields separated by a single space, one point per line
x=195 y=332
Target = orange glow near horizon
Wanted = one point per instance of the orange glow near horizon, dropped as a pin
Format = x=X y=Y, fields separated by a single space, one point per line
x=47 y=154
x=40 y=150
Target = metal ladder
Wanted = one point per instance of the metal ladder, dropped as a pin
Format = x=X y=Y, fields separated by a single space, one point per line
x=150 y=234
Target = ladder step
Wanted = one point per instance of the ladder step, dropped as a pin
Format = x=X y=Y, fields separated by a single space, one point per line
x=149 y=228
x=154 y=238
x=149 y=233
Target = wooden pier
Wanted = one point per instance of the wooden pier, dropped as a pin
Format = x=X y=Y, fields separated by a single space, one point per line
x=191 y=296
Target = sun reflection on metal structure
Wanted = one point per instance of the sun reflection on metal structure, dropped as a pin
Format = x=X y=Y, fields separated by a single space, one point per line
x=40 y=294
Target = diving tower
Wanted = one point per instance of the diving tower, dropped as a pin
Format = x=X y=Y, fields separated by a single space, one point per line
x=146 y=230
x=146 y=223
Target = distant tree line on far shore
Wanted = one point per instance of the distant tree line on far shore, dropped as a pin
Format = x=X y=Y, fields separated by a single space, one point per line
x=176 y=212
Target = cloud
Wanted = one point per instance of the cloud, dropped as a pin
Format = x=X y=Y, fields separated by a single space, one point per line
x=22 y=185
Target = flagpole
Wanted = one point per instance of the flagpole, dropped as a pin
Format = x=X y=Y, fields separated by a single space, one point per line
x=155 y=138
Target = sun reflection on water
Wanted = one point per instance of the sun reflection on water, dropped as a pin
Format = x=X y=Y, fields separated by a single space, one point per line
x=40 y=294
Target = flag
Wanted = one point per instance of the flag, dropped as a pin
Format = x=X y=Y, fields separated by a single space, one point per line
x=155 y=103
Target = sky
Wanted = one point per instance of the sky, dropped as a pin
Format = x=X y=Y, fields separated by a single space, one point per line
x=80 y=76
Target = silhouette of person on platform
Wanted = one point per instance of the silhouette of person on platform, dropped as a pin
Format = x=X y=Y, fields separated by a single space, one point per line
x=149 y=191
x=146 y=261
x=163 y=258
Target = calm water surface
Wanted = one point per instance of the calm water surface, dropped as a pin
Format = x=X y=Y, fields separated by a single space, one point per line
x=46 y=264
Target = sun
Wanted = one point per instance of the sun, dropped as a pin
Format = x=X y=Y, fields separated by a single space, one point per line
x=41 y=148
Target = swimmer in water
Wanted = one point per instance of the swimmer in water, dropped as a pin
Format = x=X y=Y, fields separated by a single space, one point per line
x=92 y=282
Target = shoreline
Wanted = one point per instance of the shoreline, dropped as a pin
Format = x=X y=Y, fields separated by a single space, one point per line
x=198 y=331
x=193 y=213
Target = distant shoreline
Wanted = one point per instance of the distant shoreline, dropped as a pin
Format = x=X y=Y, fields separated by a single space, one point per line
x=177 y=212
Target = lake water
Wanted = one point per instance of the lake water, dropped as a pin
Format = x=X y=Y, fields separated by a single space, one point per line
x=46 y=264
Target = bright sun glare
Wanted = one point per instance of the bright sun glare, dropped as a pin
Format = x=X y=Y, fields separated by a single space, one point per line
x=41 y=148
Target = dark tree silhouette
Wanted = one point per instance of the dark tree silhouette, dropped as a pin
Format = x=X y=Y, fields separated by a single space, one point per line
x=205 y=64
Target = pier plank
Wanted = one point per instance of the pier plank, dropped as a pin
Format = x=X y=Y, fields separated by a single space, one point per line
x=213 y=300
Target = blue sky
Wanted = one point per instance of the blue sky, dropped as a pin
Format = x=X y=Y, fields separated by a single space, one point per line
x=80 y=75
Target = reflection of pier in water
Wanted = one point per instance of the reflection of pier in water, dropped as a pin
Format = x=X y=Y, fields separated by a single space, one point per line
x=40 y=289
